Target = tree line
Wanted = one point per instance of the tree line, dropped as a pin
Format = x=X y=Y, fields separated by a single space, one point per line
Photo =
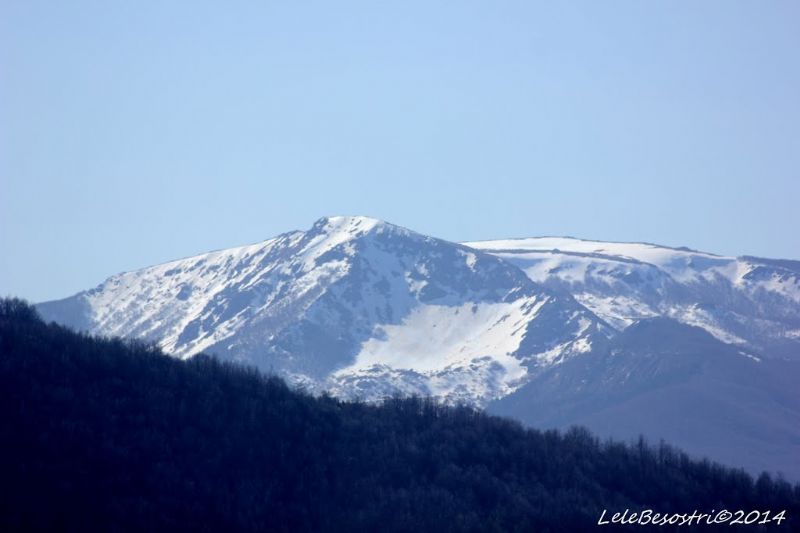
x=102 y=434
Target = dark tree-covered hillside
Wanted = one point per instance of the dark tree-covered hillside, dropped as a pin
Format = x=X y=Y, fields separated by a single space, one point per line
x=106 y=435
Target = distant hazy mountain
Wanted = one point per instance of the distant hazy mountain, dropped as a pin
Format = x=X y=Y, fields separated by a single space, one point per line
x=674 y=382
x=700 y=349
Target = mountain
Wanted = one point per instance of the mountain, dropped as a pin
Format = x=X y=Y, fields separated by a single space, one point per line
x=102 y=435
x=675 y=382
x=354 y=305
x=626 y=338
x=749 y=302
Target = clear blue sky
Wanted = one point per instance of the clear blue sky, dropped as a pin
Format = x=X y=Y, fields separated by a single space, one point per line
x=132 y=133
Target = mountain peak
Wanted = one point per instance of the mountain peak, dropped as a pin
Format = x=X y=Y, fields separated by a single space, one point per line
x=355 y=225
x=354 y=304
x=335 y=230
x=348 y=222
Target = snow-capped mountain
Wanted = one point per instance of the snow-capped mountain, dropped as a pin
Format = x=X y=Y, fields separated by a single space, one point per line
x=354 y=305
x=700 y=349
x=749 y=302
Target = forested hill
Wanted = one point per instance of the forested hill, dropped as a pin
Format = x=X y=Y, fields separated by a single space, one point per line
x=105 y=435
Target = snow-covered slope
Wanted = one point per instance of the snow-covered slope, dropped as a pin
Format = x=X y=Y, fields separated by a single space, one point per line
x=354 y=305
x=747 y=301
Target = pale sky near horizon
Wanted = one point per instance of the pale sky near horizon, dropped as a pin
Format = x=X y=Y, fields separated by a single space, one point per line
x=133 y=133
